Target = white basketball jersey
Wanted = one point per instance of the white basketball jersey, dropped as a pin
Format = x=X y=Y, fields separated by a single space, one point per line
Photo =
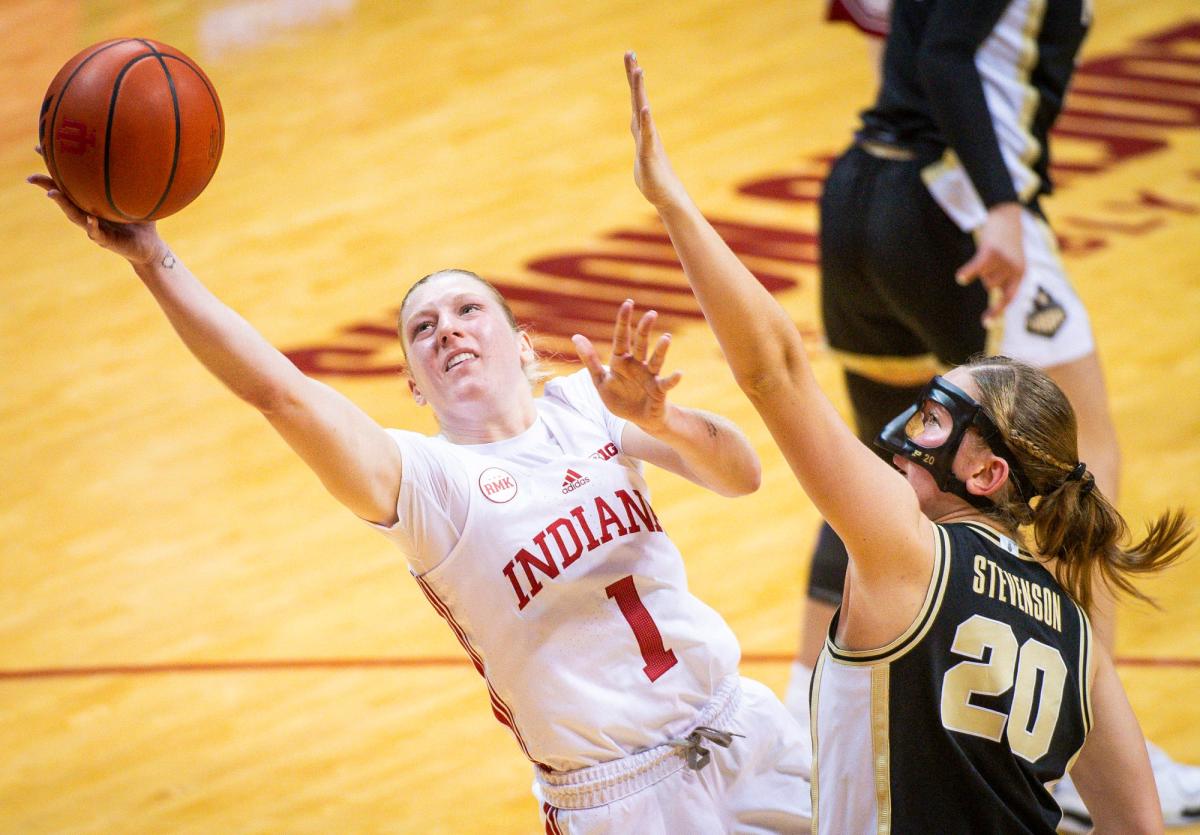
x=562 y=586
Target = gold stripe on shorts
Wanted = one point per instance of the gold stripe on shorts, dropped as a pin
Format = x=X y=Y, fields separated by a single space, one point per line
x=891 y=370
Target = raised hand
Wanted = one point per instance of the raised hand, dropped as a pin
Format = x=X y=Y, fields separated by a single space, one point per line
x=631 y=387
x=652 y=170
x=139 y=243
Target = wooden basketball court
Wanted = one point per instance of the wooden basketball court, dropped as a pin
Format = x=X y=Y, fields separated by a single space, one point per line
x=194 y=638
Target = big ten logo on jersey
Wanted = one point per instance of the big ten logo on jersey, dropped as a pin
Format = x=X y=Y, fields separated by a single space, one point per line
x=605 y=452
x=497 y=485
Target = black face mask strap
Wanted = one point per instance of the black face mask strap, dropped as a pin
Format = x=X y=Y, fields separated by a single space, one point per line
x=990 y=433
x=965 y=413
x=954 y=401
x=939 y=461
x=959 y=488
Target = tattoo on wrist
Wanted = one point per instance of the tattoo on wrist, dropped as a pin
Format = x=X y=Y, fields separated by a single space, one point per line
x=168 y=260
x=712 y=428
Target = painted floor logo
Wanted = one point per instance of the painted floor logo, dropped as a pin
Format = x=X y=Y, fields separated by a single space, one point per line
x=1124 y=105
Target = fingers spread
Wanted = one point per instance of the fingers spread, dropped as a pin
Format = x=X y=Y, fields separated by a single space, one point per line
x=641 y=335
x=587 y=354
x=620 y=344
x=668 y=383
x=660 y=354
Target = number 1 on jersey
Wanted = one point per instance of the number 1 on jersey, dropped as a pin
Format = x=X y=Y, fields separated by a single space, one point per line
x=658 y=658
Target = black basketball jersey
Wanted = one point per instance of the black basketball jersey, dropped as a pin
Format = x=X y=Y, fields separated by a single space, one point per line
x=964 y=722
x=951 y=70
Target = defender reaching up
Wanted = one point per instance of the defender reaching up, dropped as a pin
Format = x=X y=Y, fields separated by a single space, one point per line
x=959 y=679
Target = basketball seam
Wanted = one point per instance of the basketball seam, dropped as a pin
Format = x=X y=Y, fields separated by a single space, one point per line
x=112 y=110
x=178 y=127
x=51 y=161
x=208 y=86
x=216 y=108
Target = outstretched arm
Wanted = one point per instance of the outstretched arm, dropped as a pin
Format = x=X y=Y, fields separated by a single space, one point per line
x=354 y=458
x=697 y=445
x=841 y=476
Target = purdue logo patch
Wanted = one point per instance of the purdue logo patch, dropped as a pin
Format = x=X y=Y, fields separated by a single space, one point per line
x=1047 y=316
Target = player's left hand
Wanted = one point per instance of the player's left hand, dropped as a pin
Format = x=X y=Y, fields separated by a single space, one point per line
x=631 y=387
x=652 y=170
x=999 y=260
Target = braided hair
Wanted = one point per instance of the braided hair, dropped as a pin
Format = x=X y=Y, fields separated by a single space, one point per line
x=1069 y=520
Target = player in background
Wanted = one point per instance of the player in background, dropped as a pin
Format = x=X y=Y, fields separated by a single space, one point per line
x=1007 y=64
x=959 y=679
x=527 y=523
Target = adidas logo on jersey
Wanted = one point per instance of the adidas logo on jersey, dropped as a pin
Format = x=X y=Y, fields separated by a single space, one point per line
x=573 y=481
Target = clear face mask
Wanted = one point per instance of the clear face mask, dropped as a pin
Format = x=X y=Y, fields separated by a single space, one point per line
x=930 y=432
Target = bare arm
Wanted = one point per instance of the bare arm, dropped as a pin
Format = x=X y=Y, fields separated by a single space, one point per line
x=1113 y=771
x=765 y=352
x=354 y=458
x=697 y=445
x=702 y=447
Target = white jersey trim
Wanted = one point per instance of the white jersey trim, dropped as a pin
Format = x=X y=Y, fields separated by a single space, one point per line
x=938 y=581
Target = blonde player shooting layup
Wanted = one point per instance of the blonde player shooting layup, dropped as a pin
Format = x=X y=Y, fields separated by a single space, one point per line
x=959 y=680
x=528 y=525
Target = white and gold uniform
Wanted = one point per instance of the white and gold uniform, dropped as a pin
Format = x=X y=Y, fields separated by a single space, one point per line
x=964 y=723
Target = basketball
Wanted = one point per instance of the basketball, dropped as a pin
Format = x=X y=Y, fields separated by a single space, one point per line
x=131 y=130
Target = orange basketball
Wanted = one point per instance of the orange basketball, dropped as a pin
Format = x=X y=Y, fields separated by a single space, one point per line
x=131 y=130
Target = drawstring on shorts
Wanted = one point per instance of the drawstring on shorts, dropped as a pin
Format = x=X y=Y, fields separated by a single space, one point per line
x=611 y=781
x=697 y=755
